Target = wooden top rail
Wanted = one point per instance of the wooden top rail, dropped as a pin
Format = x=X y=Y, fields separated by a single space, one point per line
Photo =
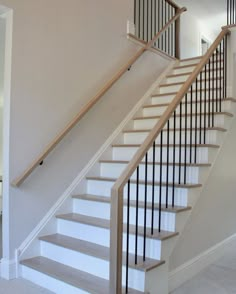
x=173 y=4
x=122 y=180
x=18 y=181
x=117 y=190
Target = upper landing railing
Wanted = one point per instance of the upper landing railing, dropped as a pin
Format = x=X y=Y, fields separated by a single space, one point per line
x=150 y=16
x=39 y=160
x=231 y=12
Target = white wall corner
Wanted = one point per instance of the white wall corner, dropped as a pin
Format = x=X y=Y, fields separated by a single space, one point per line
x=130 y=27
x=192 y=267
x=8 y=269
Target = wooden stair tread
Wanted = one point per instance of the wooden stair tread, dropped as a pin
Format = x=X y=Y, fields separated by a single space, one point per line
x=191 y=58
x=99 y=251
x=187 y=186
x=177 y=129
x=105 y=199
x=178 y=75
x=165 y=145
x=188 y=102
x=175 y=93
x=71 y=276
x=183 y=115
x=105 y=224
x=68 y=275
x=158 y=163
x=185 y=66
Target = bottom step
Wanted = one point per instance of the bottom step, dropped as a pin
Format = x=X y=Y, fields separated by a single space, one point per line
x=69 y=275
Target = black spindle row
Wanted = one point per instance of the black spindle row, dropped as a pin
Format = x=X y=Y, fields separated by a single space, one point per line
x=231 y=12
x=152 y=188
x=150 y=16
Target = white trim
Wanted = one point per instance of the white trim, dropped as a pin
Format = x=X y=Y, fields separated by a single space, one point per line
x=35 y=233
x=8 y=269
x=192 y=267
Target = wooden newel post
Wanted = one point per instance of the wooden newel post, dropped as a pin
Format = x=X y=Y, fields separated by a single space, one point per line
x=116 y=238
x=177 y=36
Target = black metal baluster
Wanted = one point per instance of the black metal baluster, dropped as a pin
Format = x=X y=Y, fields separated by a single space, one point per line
x=155 y=20
x=153 y=184
x=226 y=67
x=143 y=20
x=160 y=184
x=158 y=27
x=186 y=138
x=196 y=121
x=167 y=163
x=227 y=12
x=162 y=20
x=209 y=93
x=127 y=237
x=221 y=76
x=151 y=20
x=172 y=34
x=147 y=39
x=191 y=124
x=137 y=216
x=180 y=140
x=216 y=76
x=173 y=176
x=213 y=90
x=145 y=208
x=205 y=103
x=200 y=123
x=166 y=32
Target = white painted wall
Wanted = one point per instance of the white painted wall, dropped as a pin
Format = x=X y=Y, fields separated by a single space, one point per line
x=63 y=52
x=193 y=26
x=213 y=219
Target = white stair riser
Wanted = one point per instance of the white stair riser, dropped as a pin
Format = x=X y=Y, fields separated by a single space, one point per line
x=183 y=78
x=211 y=136
x=102 y=237
x=177 y=79
x=157 y=110
x=126 y=153
x=191 y=61
x=96 y=188
x=148 y=123
x=170 y=89
x=102 y=210
x=114 y=170
x=162 y=99
x=183 y=70
x=50 y=283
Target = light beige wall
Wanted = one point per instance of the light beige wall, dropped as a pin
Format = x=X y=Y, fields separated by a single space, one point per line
x=63 y=52
x=213 y=219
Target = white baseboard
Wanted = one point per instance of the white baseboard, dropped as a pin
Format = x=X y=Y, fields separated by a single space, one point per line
x=189 y=269
x=8 y=269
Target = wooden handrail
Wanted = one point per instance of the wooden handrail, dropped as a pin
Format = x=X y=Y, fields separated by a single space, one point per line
x=18 y=181
x=173 y=4
x=117 y=189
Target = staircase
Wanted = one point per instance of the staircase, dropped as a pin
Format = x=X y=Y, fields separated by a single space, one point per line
x=75 y=257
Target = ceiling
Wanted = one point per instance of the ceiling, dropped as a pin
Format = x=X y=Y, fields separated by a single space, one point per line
x=211 y=12
x=205 y=8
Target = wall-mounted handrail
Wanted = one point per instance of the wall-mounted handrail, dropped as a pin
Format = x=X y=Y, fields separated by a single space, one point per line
x=117 y=198
x=18 y=181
